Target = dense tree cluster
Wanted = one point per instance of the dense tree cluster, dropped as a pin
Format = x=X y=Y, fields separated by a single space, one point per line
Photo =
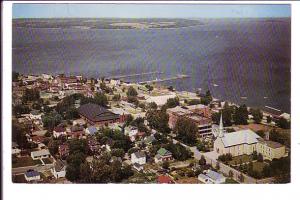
x=178 y=151
x=172 y=102
x=257 y=115
x=186 y=131
x=131 y=92
x=115 y=139
x=20 y=109
x=31 y=95
x=51 y=120
x=158 y=120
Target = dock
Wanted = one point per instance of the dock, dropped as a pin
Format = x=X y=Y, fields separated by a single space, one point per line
x=179 y=76
x=133 y=75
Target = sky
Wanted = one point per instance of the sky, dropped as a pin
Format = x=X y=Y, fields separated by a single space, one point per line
x=148 y=11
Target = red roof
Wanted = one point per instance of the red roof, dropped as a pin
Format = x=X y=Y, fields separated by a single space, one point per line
x=59 y=129
x=164 y=179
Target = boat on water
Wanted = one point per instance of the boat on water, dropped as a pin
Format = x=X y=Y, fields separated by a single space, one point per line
x=265 y=97
x=243 y=97
x=215 y=85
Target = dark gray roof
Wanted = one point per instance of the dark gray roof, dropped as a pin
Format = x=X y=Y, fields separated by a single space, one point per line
x=96 y=113
x=59 y=165
x=139 y=154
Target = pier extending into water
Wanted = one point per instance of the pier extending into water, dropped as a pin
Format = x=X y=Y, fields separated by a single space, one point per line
x=179 y=76
x=133 y=75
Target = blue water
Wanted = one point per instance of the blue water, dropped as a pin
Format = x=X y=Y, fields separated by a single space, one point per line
x=245 y=58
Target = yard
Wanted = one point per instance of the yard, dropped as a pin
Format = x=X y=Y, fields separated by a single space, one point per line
x=20 y=178
x=259 y=166
x=230 y=181
x=47 y=160
x=240 y=159
x=24 y=162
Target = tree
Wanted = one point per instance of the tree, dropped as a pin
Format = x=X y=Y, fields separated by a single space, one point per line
x=131 y=92
x=101 y=99
x=71 y=113
x=15 y=76
x=283 y=123
x=20 y=109
x=152 y=105
x=85 y=172
x=186 y=130
x=172 y=102
x=216 y=118
x=117 y=97
x=194 y=102
x=158 y=120
x=241 y=115
x=19 y=134
x=254 y=155
x=165 y=165
x=257 y=115
x=74 y=161
x=218 y=166
x=202 y=160
x=178 y=151
x=51 y=120
x=230 y=174
x=31 y=95
x=118 y=152
x=269 y=119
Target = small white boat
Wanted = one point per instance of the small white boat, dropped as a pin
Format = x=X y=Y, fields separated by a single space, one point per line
x=215 y=85
x=265 y=97
x=243 y=97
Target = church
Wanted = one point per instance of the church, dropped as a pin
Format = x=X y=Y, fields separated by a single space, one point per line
x=245 y=142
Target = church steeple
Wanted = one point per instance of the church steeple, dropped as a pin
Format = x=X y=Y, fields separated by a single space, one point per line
x=221 y=132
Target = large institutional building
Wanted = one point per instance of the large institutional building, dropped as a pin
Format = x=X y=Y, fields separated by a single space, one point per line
x=98 y=115
x=199 y=114
x=246 y=142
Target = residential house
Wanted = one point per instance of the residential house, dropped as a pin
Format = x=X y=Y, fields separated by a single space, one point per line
x=44 y=153
x=15 y=149
x=138 y=157
x=164 y=179
x=211 y=177
x=35 y=115
x=138 y=167
x=63 y=150
x=163 y=155
x=132 y=132
x=91 y=130
x=32 y=175
x=58 y=131
x=59 y=169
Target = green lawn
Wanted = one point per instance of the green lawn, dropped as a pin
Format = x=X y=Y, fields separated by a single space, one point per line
x=24 y=162
x=238 y=159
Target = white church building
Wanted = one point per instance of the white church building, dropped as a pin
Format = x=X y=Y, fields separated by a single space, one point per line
x=245 y=142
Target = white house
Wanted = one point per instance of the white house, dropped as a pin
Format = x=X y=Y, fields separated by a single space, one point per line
x=58 y=131
x=59 y=169
x=211 y=177
x=44 y=153
x=32 y=175
x=35 y=115
x=138 y=157
x=131 y=132
x=15 y=149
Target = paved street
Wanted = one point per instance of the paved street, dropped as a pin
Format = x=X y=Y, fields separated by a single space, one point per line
x=40 y=168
